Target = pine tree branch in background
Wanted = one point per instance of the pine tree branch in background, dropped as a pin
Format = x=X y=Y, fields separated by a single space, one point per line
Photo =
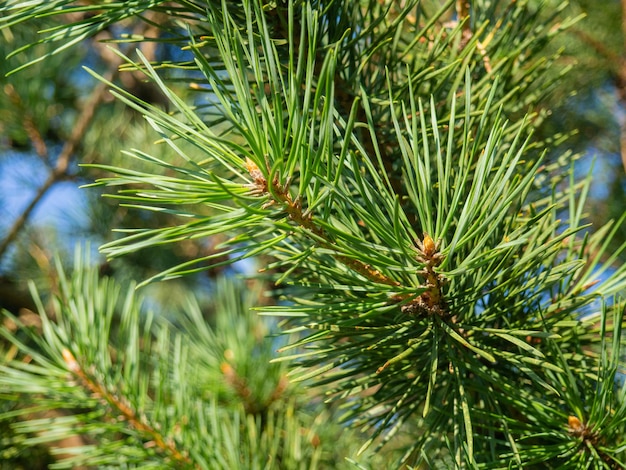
x=81 y=125
x=616 y=66
x=28 y=123
x=138 y=392
x=621 y=85
x=60 y=170
x=121 y=407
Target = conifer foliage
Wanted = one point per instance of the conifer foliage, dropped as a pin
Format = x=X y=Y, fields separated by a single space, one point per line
x=442 y=301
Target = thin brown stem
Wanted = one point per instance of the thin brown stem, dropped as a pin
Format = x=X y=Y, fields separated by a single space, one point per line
x=598 y=46
x=616 y=66
x=140 y=423
x=280 y=195
x=28 y=123
x=59 y=172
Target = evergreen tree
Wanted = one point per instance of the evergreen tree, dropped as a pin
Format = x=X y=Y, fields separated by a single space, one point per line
x=439 y=293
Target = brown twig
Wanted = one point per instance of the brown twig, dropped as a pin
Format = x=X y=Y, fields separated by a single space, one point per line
x=28 y=123
x=280 y=195
x=138 y=422
x=616 y=64
x=59 y=172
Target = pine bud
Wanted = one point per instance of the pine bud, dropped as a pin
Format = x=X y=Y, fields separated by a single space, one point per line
x=574 y=423
x=429 y=246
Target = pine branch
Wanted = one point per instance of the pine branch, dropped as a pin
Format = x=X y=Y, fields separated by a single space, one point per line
x=149 y=396
x=118 y=404
x=491 y=237
x=437 y=275
x=59 y=172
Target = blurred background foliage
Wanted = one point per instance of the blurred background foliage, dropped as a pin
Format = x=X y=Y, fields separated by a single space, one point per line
x=53 y=117
x=589 y=105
